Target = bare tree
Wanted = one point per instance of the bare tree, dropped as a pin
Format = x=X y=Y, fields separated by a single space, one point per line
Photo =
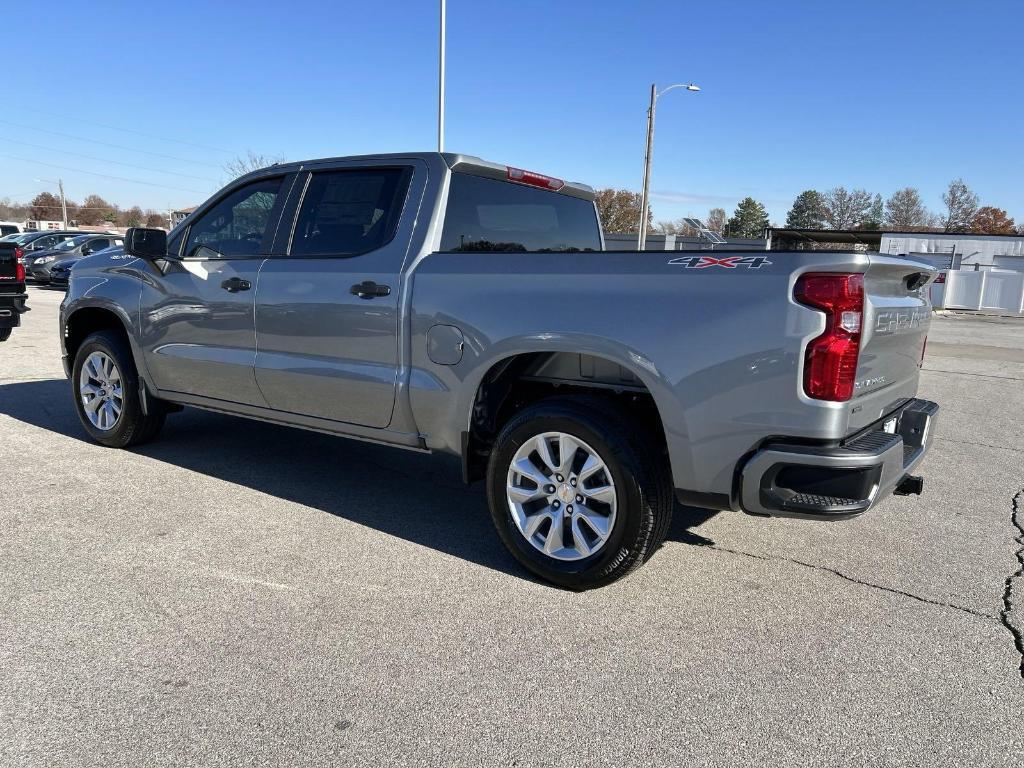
x=844 y=209
x=905 y=211
x=961 y=205
x=716 y=220
x=249 y=162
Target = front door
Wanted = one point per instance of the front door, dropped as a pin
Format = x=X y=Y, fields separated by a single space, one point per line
x=327 y=311
x=199 y=335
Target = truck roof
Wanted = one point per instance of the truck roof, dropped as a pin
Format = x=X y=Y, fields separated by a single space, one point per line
x=455 y=161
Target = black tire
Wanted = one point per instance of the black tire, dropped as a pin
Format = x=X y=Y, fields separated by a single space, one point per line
x=133 y=427
x=639 y=468
x=5 y=334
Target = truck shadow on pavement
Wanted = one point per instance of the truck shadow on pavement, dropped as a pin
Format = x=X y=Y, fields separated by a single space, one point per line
x=413 y=496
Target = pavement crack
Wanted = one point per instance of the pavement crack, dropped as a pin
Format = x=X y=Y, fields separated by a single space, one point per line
x=1007 y=614
x=861 y=582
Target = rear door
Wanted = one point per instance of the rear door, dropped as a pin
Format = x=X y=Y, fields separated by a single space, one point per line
x=897 y=315
x=327 y=311
x=197 y=318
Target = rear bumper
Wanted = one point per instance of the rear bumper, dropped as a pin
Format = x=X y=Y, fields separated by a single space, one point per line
x=836 y=482
x=12 y=306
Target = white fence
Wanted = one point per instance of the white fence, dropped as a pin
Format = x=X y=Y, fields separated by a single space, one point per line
x=992 y=289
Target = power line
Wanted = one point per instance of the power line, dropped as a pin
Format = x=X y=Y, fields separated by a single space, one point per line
x=105 y=160
x=132 y=130
x=110 y=144
x=101 y=175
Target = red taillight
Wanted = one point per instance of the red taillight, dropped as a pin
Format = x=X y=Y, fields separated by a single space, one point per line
x=830 y=366
x=19 y=264
x=533 y=179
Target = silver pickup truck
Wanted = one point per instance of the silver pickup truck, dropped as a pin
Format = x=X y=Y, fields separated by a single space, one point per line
x=439 y=302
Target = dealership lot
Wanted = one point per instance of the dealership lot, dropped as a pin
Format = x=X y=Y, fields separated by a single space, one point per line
x=239 y=593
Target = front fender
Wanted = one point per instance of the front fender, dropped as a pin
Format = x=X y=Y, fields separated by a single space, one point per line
x=115 y=290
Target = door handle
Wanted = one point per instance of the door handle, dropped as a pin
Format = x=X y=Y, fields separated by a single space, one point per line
x=369 y=290
x=236 y=284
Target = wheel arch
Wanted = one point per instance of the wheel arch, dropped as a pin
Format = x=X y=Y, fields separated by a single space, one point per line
x=83 y=320
x=515 y=379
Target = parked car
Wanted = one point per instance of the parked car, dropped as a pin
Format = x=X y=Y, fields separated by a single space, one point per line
x=9 y=228
x=76 y=247
x=439 y=302
x=60 y=271
x=12 y=290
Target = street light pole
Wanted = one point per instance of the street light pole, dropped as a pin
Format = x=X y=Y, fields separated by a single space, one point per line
x=440 y=86
x=641 y=240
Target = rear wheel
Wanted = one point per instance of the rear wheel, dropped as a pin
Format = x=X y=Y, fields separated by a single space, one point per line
x=579 y=495
x=105 y=387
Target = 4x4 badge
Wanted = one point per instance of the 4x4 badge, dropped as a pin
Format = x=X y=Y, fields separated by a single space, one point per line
x=729 y=262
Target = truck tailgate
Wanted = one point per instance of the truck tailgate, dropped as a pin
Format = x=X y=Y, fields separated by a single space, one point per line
x=897 y=315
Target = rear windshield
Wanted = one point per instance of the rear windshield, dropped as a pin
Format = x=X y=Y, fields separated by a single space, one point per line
x=490 y=215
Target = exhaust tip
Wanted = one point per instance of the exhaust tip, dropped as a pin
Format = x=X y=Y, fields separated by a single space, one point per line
x=910 y=485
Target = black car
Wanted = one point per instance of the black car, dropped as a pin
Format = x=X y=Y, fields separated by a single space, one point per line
x=39 y=264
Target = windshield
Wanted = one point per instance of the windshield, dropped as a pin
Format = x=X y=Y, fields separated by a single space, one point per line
x=67 y=245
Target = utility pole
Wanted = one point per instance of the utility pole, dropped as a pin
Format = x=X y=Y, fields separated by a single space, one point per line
x=63 y=204
x=641 y=239
x=440 y=86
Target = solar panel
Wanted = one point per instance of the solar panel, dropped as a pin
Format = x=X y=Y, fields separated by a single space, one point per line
x=704 y=232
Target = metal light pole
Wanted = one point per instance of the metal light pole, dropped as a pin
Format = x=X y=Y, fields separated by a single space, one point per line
x=440 y=86
x=641 y=240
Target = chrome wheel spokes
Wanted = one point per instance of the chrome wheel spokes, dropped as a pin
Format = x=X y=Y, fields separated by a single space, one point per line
x=99 y=386
x=562 y=496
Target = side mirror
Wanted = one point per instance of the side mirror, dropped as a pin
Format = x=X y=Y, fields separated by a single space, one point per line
x=145 y=243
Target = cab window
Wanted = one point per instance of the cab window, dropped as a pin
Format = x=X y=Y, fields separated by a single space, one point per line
x=238 y=225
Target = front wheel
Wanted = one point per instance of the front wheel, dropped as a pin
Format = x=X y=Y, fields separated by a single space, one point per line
x=105 y=387
x=579 y=496
x=5 y=334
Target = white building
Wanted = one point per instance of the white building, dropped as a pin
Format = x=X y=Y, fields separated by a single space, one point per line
x=957 y=251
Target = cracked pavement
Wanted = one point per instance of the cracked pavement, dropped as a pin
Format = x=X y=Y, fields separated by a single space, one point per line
x=246 y=594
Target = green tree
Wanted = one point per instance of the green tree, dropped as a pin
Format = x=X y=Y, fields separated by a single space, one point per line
x=619 y=210
x=806 y=212
x=875 y=215
x=961 y=206
x=748 y=220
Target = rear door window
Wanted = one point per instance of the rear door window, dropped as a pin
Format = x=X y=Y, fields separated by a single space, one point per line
x=345 y=213
x=491 y=215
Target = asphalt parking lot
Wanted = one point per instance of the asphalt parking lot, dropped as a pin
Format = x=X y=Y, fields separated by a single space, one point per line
x=245 y=594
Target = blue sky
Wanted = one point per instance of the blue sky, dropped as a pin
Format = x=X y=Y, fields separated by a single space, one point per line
x=795 y=95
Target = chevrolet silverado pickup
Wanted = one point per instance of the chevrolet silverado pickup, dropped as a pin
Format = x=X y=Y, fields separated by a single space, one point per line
x=439 y=302
x=12 y=288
